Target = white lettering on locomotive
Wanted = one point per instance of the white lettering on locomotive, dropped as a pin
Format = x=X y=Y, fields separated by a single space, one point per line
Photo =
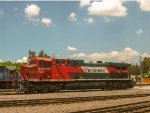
x=87 y=69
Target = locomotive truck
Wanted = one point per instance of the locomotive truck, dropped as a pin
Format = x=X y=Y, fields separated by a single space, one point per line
x=51 y=74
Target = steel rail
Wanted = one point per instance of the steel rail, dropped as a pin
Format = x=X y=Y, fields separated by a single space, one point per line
x=34 y=102
x=139 y=107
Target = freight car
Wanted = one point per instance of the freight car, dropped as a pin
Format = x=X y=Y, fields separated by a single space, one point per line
x=50 y=74
x=7 y=76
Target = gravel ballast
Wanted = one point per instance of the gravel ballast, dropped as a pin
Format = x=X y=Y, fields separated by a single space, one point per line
x=64 y=108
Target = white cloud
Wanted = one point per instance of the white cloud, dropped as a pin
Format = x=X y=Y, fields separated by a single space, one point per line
x=1 y=60
x=125 y=55
x=84 y=3
x=23 y=60
x=108 y=19
x=72 y=16
x=144 y=4
x=79 y=56
x=32 y=11
x=107 y=8
x=1 y=12
x=70 y=48
x=89 y=20
x=145 y=55
x=15 y=9
x=139 y=31
x=46 y=21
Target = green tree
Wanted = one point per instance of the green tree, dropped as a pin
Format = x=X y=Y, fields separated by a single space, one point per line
x=43 y=54
x=18 y=65
x=145 y=65
x=31 y=54
x=9 y=63
x=134 y=70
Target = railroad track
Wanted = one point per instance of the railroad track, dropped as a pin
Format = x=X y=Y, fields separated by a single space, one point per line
x=11 y=91
x=139 y=107
x=35 y=102
x=6 y=90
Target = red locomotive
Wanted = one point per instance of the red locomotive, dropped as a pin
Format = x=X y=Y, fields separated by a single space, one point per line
x=49 y=74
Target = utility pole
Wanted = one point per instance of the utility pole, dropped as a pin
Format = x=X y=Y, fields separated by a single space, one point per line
x=140 y=60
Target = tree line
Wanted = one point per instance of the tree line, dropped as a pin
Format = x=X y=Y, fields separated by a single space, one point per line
x=9 y=63
x=143 y=69
x=30 y=54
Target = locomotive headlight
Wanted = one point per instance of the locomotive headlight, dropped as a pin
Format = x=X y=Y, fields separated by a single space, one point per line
x=39 y=69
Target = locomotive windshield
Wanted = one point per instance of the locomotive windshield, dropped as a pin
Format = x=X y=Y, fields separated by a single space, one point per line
x=1 y=68
x=32 y=62
x=12 y=71
x=45 y=63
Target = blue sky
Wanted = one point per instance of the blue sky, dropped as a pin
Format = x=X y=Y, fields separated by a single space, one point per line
x=75 y=30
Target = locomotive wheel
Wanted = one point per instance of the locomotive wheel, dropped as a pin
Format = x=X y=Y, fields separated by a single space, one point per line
x=31 y=90
x=18 y=86
x=44 y=89
x=55 y=88
x=109 y=87
x=58 y=88
x=103 y=88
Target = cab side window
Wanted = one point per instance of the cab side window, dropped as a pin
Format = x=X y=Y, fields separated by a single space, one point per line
x=42 y=63
x=47 y=63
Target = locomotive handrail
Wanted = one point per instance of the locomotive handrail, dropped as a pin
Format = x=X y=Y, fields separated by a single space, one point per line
x=19 y=76
x=26 y=77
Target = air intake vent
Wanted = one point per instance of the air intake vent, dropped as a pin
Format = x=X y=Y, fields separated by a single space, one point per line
x=99 y=61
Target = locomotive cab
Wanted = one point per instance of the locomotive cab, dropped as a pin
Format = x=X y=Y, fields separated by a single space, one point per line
x=37 y=68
